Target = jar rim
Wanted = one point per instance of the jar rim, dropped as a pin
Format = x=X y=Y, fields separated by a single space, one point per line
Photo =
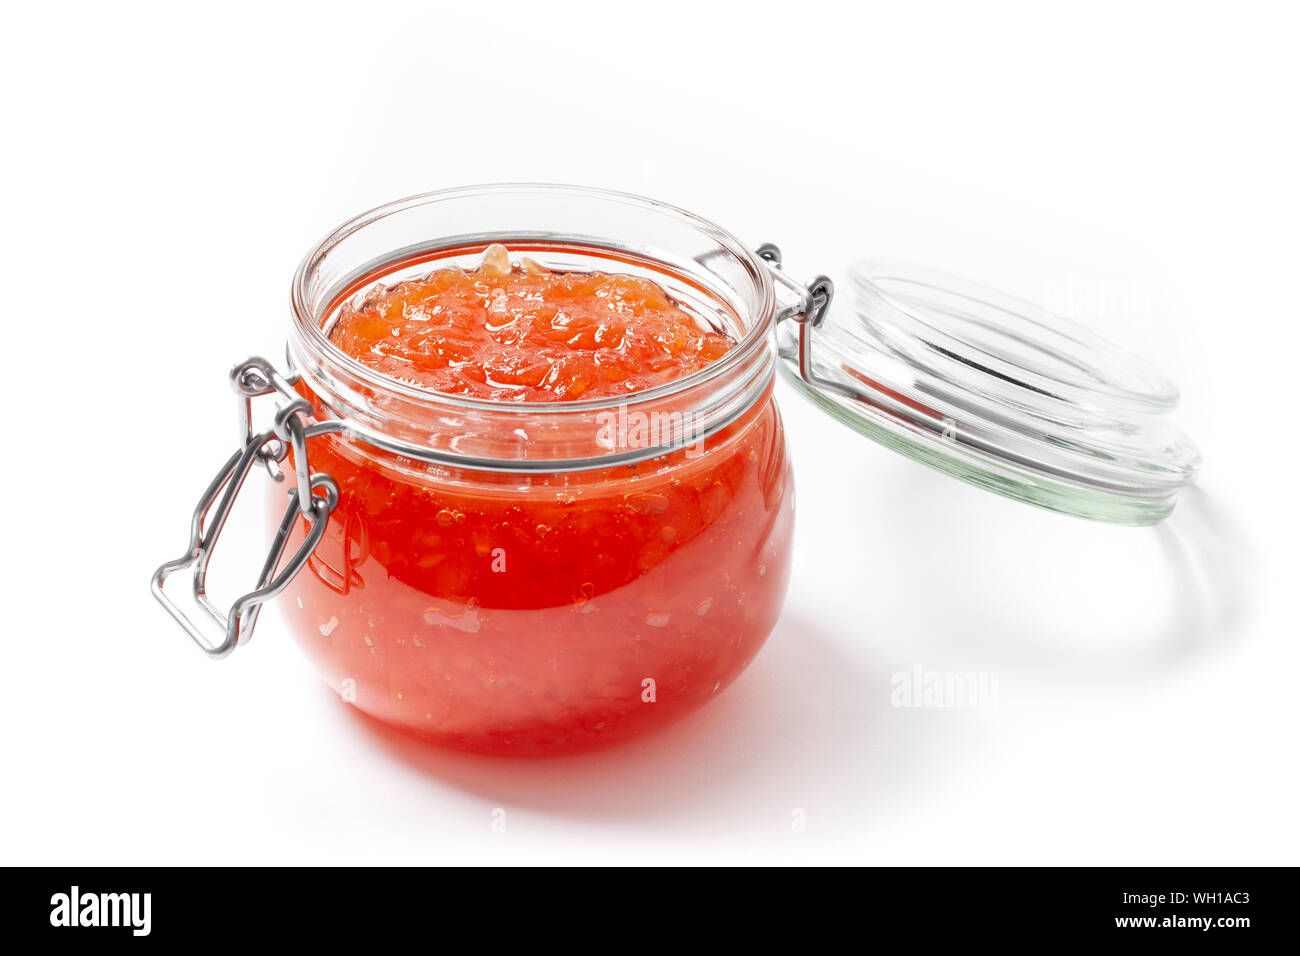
x=308 y=326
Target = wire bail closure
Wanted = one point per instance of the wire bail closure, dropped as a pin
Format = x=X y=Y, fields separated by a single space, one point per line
x=815 y=304
x=251 y=379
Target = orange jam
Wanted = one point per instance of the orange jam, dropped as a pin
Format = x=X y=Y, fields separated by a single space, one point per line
x=526 y=334
x=541 y=613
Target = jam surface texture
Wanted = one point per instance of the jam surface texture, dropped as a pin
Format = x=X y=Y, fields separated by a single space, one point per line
x=514 y=613
x=525 y=333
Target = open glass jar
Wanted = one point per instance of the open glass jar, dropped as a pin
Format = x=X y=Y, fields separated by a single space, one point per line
x=539 y=578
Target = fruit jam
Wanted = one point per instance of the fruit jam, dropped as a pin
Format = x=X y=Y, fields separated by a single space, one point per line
x=526 y=333
x=541 y=613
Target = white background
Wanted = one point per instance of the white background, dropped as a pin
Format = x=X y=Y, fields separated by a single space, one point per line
x=165 y=169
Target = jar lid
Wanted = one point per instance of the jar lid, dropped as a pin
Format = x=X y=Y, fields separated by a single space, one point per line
x=993 y=390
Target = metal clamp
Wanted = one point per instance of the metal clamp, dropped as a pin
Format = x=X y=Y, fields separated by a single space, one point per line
x=251 y=379
x=814 y=306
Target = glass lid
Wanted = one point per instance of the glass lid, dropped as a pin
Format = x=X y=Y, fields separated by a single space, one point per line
x=993 y=390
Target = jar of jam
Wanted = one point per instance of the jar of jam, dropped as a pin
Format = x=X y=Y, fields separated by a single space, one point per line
x=529 y=479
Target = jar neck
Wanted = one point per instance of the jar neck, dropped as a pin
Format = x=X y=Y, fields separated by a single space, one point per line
x=704 y=268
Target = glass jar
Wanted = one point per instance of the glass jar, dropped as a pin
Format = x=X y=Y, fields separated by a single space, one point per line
x=526 y=578
x=542 y=578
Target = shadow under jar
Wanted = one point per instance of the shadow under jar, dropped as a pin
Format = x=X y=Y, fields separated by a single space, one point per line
x=540 y=578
